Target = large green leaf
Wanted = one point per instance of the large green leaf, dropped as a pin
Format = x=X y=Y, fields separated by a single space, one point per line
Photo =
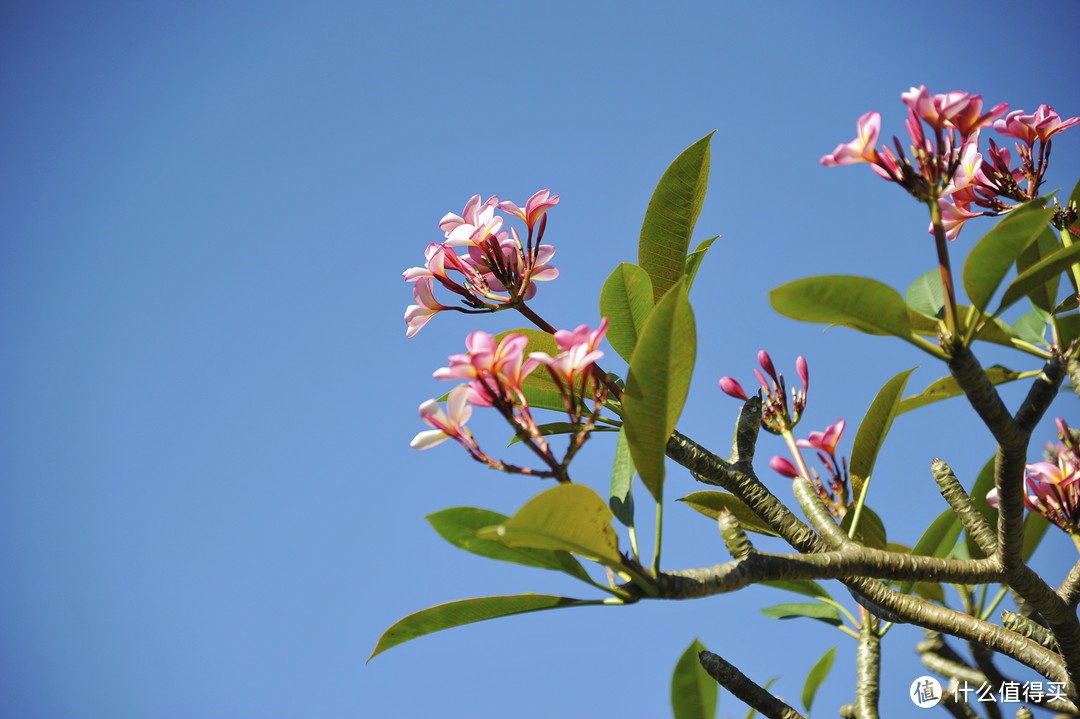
x=926 y=295
x=937 y=541
x=467 y=611
x=658 y=382
x=995 y=253
x=710 y=503
x=1031 y=326
x=622 y=477
x=626 y=300
x=693 y=260
x=672 y=214
x=1038 y=268
x=817 y=675
x=947 y=387
x=856 y=302
x=821 y=612
x=871 y=530
x=873 y=429
x=693 y=691
x=571 y=517
x=459 y=526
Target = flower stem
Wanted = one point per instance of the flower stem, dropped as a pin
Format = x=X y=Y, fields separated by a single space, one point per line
x=944 y=266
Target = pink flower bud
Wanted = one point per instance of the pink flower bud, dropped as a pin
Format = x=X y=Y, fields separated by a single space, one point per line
x=804 y=373
x=784 y=467
x=766 y=363
x=732 y=388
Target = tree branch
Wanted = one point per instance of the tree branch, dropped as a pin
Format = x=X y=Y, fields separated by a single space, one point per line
x=742 y=687
x=974 y=521
x=868 y=667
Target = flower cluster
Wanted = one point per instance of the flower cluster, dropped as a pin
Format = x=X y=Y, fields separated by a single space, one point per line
x=775 y=416
x=1054 y=485
x=945 y=166
x=495 y=371
x=835 y=493
x=497 y=270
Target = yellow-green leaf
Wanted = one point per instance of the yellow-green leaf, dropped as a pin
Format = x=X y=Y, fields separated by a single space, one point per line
x=658 y=382
x=673 y=212
x=626 y=300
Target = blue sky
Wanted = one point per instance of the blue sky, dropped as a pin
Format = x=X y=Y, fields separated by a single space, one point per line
x=208 y=504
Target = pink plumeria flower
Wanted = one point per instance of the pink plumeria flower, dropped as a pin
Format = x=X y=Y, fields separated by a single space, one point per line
x=579 y=352
x=953 y=217
x=534 y=208
x=968 y=169
x=476 y=222
x=938 y=110
x=825 y=441
x=1028 y=128
x=416 y=316
x=450 y=423
x=861 y=149
x=492 y=368
x=968 y=119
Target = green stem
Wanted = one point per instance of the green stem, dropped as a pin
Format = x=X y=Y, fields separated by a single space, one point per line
x=1074 y=268
x=633 y=543
x=946 y=270
x=659 y=532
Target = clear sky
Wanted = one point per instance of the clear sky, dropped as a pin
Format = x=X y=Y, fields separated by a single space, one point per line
x=208 y=504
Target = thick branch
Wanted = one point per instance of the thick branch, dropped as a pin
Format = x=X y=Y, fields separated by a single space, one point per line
x=1069 y=591
x=741 y=686
x=1073 y=368
x=1042 y=393
x=984 y=398
x=868 y=666
x=974 y=521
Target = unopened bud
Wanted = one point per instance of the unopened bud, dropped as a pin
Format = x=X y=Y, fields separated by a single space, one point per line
x=766 y=363
x=732 y=388
x=784 y=467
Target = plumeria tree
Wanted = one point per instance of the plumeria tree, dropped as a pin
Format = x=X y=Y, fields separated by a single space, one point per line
x=550 y=387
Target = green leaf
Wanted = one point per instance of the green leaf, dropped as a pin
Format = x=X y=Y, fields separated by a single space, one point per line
x=658 y=382
x=626 y=300
x=857 y=302
x=937 y=541
x=1035 y=526
x=873 y=429
x=710 y=503
x=995 y=253
x=1069 y=303
x=622 y=476
x=807 y=587
x=693 y=691
x=871 y=530
x=467 y=611
x=927 y=295
x=672 y=214
x=1039 y=267
x=821 y=612
x=983 y=484
x=563 y=428
x=817 y=675
x=1068 y=328
x=1031 y=327
x=459 y=526
x=693 y=260
x=568 y=516
x=947 y=387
